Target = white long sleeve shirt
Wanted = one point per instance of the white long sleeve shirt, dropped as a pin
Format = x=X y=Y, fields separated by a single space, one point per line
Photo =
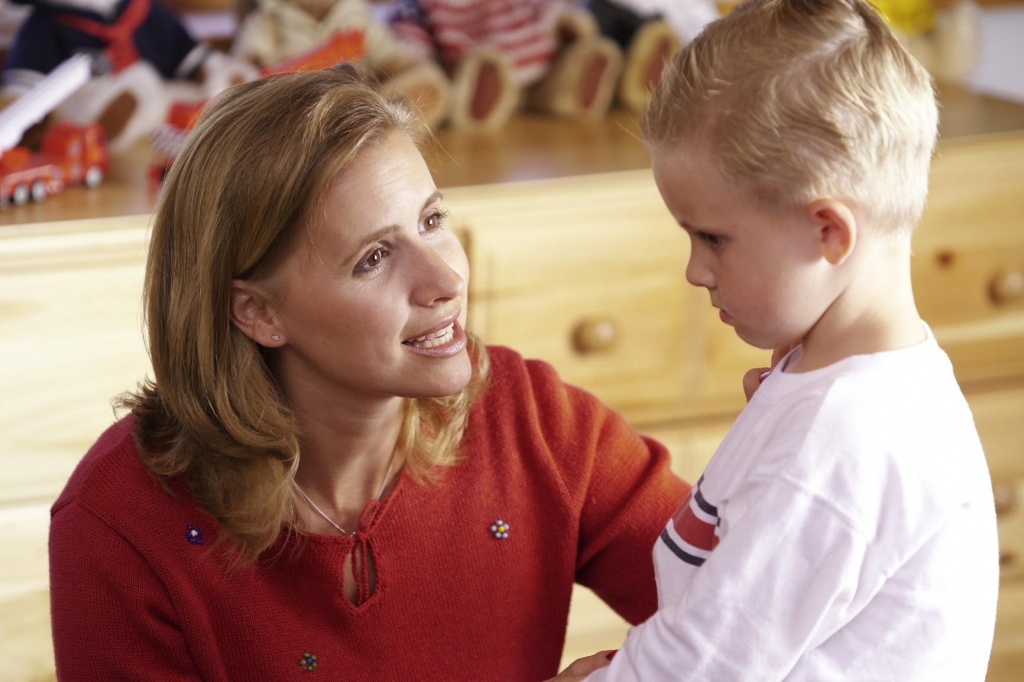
x=844 y=530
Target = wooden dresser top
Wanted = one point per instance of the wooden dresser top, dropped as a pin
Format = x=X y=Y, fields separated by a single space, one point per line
x=531 y=147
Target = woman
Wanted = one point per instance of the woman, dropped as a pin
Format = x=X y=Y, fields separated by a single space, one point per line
x=327 y=472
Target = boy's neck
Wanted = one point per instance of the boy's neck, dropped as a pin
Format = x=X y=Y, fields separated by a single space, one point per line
x=874 y=312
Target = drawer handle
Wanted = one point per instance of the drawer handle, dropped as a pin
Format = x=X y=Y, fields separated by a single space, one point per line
x=1005 y=495
x=595 y=335
x=1006 y=287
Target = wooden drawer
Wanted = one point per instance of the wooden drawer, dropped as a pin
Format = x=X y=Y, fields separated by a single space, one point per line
x=589 y=274
x=997 y=414
x=26 y=648
x=968 y=267
x=71 y=339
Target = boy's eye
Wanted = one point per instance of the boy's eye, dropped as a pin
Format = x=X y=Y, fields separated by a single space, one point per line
x=712 y=240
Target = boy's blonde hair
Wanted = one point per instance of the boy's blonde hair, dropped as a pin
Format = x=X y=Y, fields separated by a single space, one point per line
x=805 y=99
x=246 y=186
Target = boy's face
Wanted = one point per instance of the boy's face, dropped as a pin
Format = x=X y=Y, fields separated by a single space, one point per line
x=763 y=266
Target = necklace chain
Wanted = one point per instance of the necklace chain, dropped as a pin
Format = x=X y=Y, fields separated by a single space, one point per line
x=328 y=519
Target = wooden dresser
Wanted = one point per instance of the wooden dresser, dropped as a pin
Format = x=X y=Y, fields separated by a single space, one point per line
x=575 y=260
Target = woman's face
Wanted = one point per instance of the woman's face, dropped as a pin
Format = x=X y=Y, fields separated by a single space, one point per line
x=371 y=305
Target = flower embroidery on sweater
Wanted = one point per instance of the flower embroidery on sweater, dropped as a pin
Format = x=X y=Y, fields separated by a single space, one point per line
x=194 y=535
x=307 y=662
x=500 y=529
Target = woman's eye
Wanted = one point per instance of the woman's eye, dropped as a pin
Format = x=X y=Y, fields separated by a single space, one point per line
x=372 y=261
x=435 y=220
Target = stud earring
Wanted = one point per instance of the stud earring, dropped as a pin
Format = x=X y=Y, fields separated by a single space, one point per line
x=275 y=337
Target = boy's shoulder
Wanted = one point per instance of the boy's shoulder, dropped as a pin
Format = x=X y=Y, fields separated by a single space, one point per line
x=898 y=407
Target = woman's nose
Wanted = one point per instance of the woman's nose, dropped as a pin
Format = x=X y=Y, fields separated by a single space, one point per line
x=437 y=278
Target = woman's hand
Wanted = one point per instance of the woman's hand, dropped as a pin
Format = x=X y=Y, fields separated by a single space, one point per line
x=753 y=378
x=582 y=667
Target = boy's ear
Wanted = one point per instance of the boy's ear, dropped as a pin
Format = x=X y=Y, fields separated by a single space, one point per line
x=836 y=229
x=252 y=314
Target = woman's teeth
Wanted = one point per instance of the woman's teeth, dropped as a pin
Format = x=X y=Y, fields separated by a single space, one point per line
x=438 y=338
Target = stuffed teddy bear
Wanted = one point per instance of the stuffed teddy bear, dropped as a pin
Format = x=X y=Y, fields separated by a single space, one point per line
x=649 y=33
x=503 y=54
x=143 y=59
x=274 y=31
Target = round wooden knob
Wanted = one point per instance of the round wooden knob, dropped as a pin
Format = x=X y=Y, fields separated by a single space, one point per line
x=1005 y=495
x=1006 y=286
x=595 y=335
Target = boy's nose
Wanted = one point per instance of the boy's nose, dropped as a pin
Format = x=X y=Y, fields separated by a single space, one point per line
x=697 y=274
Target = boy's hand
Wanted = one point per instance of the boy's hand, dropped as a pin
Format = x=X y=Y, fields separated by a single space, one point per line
x=582 y=667
x=753 y=378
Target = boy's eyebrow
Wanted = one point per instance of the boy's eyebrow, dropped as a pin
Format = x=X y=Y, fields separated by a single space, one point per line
x=691 y=228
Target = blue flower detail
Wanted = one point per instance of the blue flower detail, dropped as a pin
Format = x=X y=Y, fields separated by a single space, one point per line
x=194 y=535
x=307 y=662
x=500 y=529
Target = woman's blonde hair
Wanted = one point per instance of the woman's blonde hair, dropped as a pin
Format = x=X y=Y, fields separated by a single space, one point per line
x=805 y=99
x=247 y=182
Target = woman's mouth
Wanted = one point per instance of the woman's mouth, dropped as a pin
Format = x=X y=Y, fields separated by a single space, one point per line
x=445 y=342
x=434 y=339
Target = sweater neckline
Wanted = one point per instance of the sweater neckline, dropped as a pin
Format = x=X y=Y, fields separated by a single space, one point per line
x=369 y=519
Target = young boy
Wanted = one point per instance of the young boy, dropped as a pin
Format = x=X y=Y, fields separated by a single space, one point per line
x=845 y=528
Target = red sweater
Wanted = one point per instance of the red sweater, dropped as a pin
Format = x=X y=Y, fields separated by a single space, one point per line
x=136 y=593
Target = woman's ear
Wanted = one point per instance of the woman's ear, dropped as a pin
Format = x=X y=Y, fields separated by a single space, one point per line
x=252 y=314
x=837 y=229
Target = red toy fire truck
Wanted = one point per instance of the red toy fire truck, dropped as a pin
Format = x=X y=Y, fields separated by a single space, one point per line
x=69 y=153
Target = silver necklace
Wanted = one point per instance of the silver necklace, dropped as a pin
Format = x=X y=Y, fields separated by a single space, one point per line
x=376 y=497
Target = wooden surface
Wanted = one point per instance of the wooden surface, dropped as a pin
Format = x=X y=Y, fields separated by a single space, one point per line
x=531 y=147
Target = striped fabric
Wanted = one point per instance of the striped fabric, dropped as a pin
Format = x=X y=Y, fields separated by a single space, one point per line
x=693 y=531
x=451 y=30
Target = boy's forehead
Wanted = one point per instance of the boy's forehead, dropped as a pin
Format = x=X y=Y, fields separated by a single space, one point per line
x=687 y=178
x=681 y=159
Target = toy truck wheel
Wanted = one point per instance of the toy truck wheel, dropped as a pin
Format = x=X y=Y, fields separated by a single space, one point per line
x=20 y=195
x=93 y=176
x=38 y=191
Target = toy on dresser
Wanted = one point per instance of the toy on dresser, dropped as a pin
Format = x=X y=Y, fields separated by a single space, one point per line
x=69 y=153
x=503 y=54
x=649 y=33
x=143 y=57
x=275 y=31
